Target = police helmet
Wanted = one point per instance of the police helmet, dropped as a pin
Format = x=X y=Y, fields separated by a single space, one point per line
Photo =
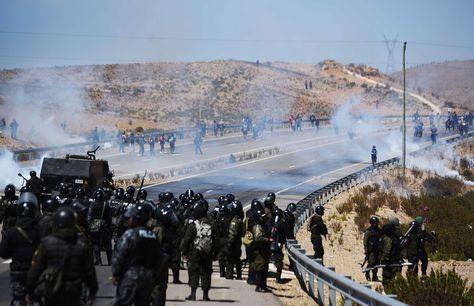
x=27 y=205
x=198 y=196
x=64 y=218
x=98 y=195
x=167 y=196
x=272 y=196
x=130 y=190
x=394 y=221
x=174 y=202
x=221 y=200
x=78 y=206
x=200 y=209
x=374 y=220
x=9 y=191
x=25 y=189
x=119 y=193
x=319 y=210
x=259 y=216
x=50 y=205
x=291 y=207
x=419 y=220
x=63 y=190
x=32 y=173
x=256 y=205
x=140 y=212
x=142 y=194
x=166 y=215
x=107 y=194
x=80 y=192
x=229 y=197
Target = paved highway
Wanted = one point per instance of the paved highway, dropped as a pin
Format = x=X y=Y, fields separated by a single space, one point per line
x=312 y=161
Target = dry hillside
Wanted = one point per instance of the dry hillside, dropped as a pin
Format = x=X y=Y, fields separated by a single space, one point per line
x=167 y=95
x=452 y=82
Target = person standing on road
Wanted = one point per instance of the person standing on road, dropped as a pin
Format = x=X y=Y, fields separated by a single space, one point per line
x=198 y=248
x=137 y=260
x=172 y=142
x=14 y=129
x=19 y=243
x=8 y=204
x=141 y=145
x=99 y=218
x=372 y=246
x=197 y=144
x=162 y=141
x=151 y=143
x=373 y=155
x=317 y=228
x=62 y=252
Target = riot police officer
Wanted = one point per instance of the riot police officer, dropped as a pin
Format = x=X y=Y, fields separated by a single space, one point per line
x=63 y=248
x=318 y=229
x=260 y=249
x=234 y=240
x=8 y=207
x=198 y=247
x=289 y=221
x=372 y=246
x=222 y=228
x=249 y=222
x=166 y=220
x=390 y=253
x=36 y=185
x=63 y=198
x=19 y=243
x=46 y=219
x=277 y=241
x=100 y=220
x=137 y=260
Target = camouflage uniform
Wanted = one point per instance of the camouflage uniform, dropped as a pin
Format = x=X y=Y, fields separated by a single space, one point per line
x=199 y=263
x=136 y=263
x=222 y=227
x=80 y=269
x=390 y=253
x=372 y=237
x=261 y=254
x=234 y=246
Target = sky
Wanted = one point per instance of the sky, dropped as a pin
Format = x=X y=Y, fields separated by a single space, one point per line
x=38 y=33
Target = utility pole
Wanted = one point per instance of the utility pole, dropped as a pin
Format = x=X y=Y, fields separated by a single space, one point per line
x=390 y=44
x=404 y=145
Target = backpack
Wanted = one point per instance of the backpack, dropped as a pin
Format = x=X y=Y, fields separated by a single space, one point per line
x=374 y=241
x=51 y=281
x=203 y=240
x=96 y=225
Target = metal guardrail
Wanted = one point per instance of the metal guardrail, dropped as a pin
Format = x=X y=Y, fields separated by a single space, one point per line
x=310 y=270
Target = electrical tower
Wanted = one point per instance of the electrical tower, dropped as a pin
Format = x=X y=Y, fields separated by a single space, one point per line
x=390 y=43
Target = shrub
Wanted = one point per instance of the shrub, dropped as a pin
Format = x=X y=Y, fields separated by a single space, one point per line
x=438 y=288
x=453 y=220
x=345 y=207
x=443 y=186
x=369 y=189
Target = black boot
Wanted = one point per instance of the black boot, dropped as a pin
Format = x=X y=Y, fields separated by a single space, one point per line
x=192 y=296
x=278 y=276
x=176 y=276
x=375 y=278
x=222 y=269
x=205 y=295
x=367 y=276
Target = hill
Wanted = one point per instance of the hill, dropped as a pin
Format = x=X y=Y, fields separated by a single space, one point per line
x=452 y=82
x=167 y=95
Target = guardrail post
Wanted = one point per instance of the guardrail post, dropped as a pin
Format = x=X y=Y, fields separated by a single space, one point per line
x=332 y=292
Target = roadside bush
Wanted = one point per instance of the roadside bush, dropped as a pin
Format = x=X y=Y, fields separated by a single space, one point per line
x=345 y=207
x=442 y=186
x=453 y=220
x=438 y=288
x=369 y=189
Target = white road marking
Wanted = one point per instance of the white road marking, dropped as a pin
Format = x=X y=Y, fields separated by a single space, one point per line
x=292 y=166
x=230 y=184
x=210 y=190
x=312 y=161
x=8 y=261
x=145 y=160
x=251 y=178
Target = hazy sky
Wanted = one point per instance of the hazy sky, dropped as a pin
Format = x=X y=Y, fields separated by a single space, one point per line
x=58 y=32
